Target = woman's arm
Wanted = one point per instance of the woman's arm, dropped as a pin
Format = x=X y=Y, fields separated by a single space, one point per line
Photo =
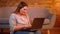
x=18 y=28
x=13 y=24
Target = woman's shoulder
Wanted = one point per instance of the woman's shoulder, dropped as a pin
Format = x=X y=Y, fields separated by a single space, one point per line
x=13 y=15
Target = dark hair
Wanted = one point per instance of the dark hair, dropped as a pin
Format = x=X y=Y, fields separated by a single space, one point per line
x=21 y=5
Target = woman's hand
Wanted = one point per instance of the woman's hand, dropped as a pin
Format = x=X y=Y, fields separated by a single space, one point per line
x=27 y=26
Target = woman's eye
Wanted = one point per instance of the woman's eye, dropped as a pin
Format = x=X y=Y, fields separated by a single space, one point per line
x=25 y=9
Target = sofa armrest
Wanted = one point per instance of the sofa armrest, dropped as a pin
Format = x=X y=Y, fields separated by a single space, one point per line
x=46 y=22
x=51 y=22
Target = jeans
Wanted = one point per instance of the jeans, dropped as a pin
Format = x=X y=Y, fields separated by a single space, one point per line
x=37 y=32
x=27 y=32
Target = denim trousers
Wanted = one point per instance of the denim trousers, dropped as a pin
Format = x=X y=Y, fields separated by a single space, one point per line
x=27 y=32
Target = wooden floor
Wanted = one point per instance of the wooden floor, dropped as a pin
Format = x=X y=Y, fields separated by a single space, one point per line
x=51 y=31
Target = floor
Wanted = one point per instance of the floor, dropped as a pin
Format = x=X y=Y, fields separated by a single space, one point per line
x=51 y=31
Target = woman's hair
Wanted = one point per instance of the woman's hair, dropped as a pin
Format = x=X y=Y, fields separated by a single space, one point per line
x=20 y=6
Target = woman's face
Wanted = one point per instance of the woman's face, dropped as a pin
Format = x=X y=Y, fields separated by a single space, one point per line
x=23 y=10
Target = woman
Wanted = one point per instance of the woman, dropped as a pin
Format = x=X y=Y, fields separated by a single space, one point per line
x=19 y=20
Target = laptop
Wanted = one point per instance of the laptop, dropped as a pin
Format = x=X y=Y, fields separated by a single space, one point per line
x=37 y=23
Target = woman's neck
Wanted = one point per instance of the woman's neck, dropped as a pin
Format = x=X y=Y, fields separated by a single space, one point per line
x=23 y=15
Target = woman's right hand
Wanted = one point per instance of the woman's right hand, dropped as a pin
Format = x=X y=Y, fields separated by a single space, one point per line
x=27 y=26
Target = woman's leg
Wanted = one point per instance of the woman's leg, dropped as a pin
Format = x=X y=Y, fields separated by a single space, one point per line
x=31 y=32
x=38 y=32
x=21 y=32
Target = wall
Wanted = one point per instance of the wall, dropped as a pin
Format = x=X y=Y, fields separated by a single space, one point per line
x=52 y=5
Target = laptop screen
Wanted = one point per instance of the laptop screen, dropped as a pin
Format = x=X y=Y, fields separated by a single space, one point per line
x=37 y=23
